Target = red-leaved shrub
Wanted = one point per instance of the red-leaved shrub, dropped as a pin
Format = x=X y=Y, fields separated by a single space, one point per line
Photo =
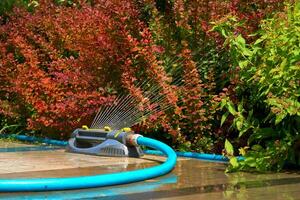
x=58 y=62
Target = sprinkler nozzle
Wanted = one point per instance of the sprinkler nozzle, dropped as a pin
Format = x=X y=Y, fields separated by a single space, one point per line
x=126 y=129
x=107 y=128
x=85 y=127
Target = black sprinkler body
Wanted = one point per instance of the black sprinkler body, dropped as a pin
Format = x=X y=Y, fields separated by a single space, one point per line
x=104 y=142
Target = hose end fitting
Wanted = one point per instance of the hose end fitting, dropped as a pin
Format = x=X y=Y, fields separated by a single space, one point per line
x=132 y=139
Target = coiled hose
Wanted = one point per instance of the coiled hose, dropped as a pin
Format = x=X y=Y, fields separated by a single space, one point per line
x=80 y=182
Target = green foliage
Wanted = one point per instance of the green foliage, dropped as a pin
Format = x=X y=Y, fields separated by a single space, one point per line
x=7 y=126
x=268 y=111
x=272 y=157
x=6 y=6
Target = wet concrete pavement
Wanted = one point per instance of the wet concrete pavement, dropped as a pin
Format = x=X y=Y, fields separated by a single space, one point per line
x=191 y=179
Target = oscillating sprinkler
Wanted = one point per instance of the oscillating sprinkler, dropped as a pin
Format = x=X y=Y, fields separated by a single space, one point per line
x=105 y=142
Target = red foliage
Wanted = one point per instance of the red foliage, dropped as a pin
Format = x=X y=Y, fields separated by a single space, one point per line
x=192 y=93
x=57 y=61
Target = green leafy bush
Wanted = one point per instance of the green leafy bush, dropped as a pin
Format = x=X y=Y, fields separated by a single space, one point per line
x=6 y=6
x=268 y=112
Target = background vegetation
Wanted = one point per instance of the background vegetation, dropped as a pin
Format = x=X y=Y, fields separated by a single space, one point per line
x=237 y=62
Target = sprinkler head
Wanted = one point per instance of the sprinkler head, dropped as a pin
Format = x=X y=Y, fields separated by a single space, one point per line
x=105 y=142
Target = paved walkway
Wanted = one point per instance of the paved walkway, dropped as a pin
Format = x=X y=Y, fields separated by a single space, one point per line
x=191 y=179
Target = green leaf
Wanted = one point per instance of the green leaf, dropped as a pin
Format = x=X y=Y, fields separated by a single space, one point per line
x=241 y=133
x=234 y=162
x=256 y=147
x=283 y=64
x=241 y=44
x=231 y=108
x=241 y=40
x=243 y=64
x=224 y=117
x=250 y=161
x=258 y=41
x=240 y=107
x=239 y=124
x=229 y=147
x=33 y=4
x=280 y=117
x=223 y=103
x=224 y=34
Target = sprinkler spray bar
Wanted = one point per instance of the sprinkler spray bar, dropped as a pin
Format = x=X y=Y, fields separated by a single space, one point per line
x=124 y=100
x=135 y=115
x=126 y=111
x=133 y=112
x=102 y=113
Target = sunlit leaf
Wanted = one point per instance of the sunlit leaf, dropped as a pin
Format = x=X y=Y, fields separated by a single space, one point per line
x=229 y=147
x=234 y=162
x=224 y=117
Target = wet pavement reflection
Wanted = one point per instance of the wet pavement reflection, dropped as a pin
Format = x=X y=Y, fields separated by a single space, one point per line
x=191 y=179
